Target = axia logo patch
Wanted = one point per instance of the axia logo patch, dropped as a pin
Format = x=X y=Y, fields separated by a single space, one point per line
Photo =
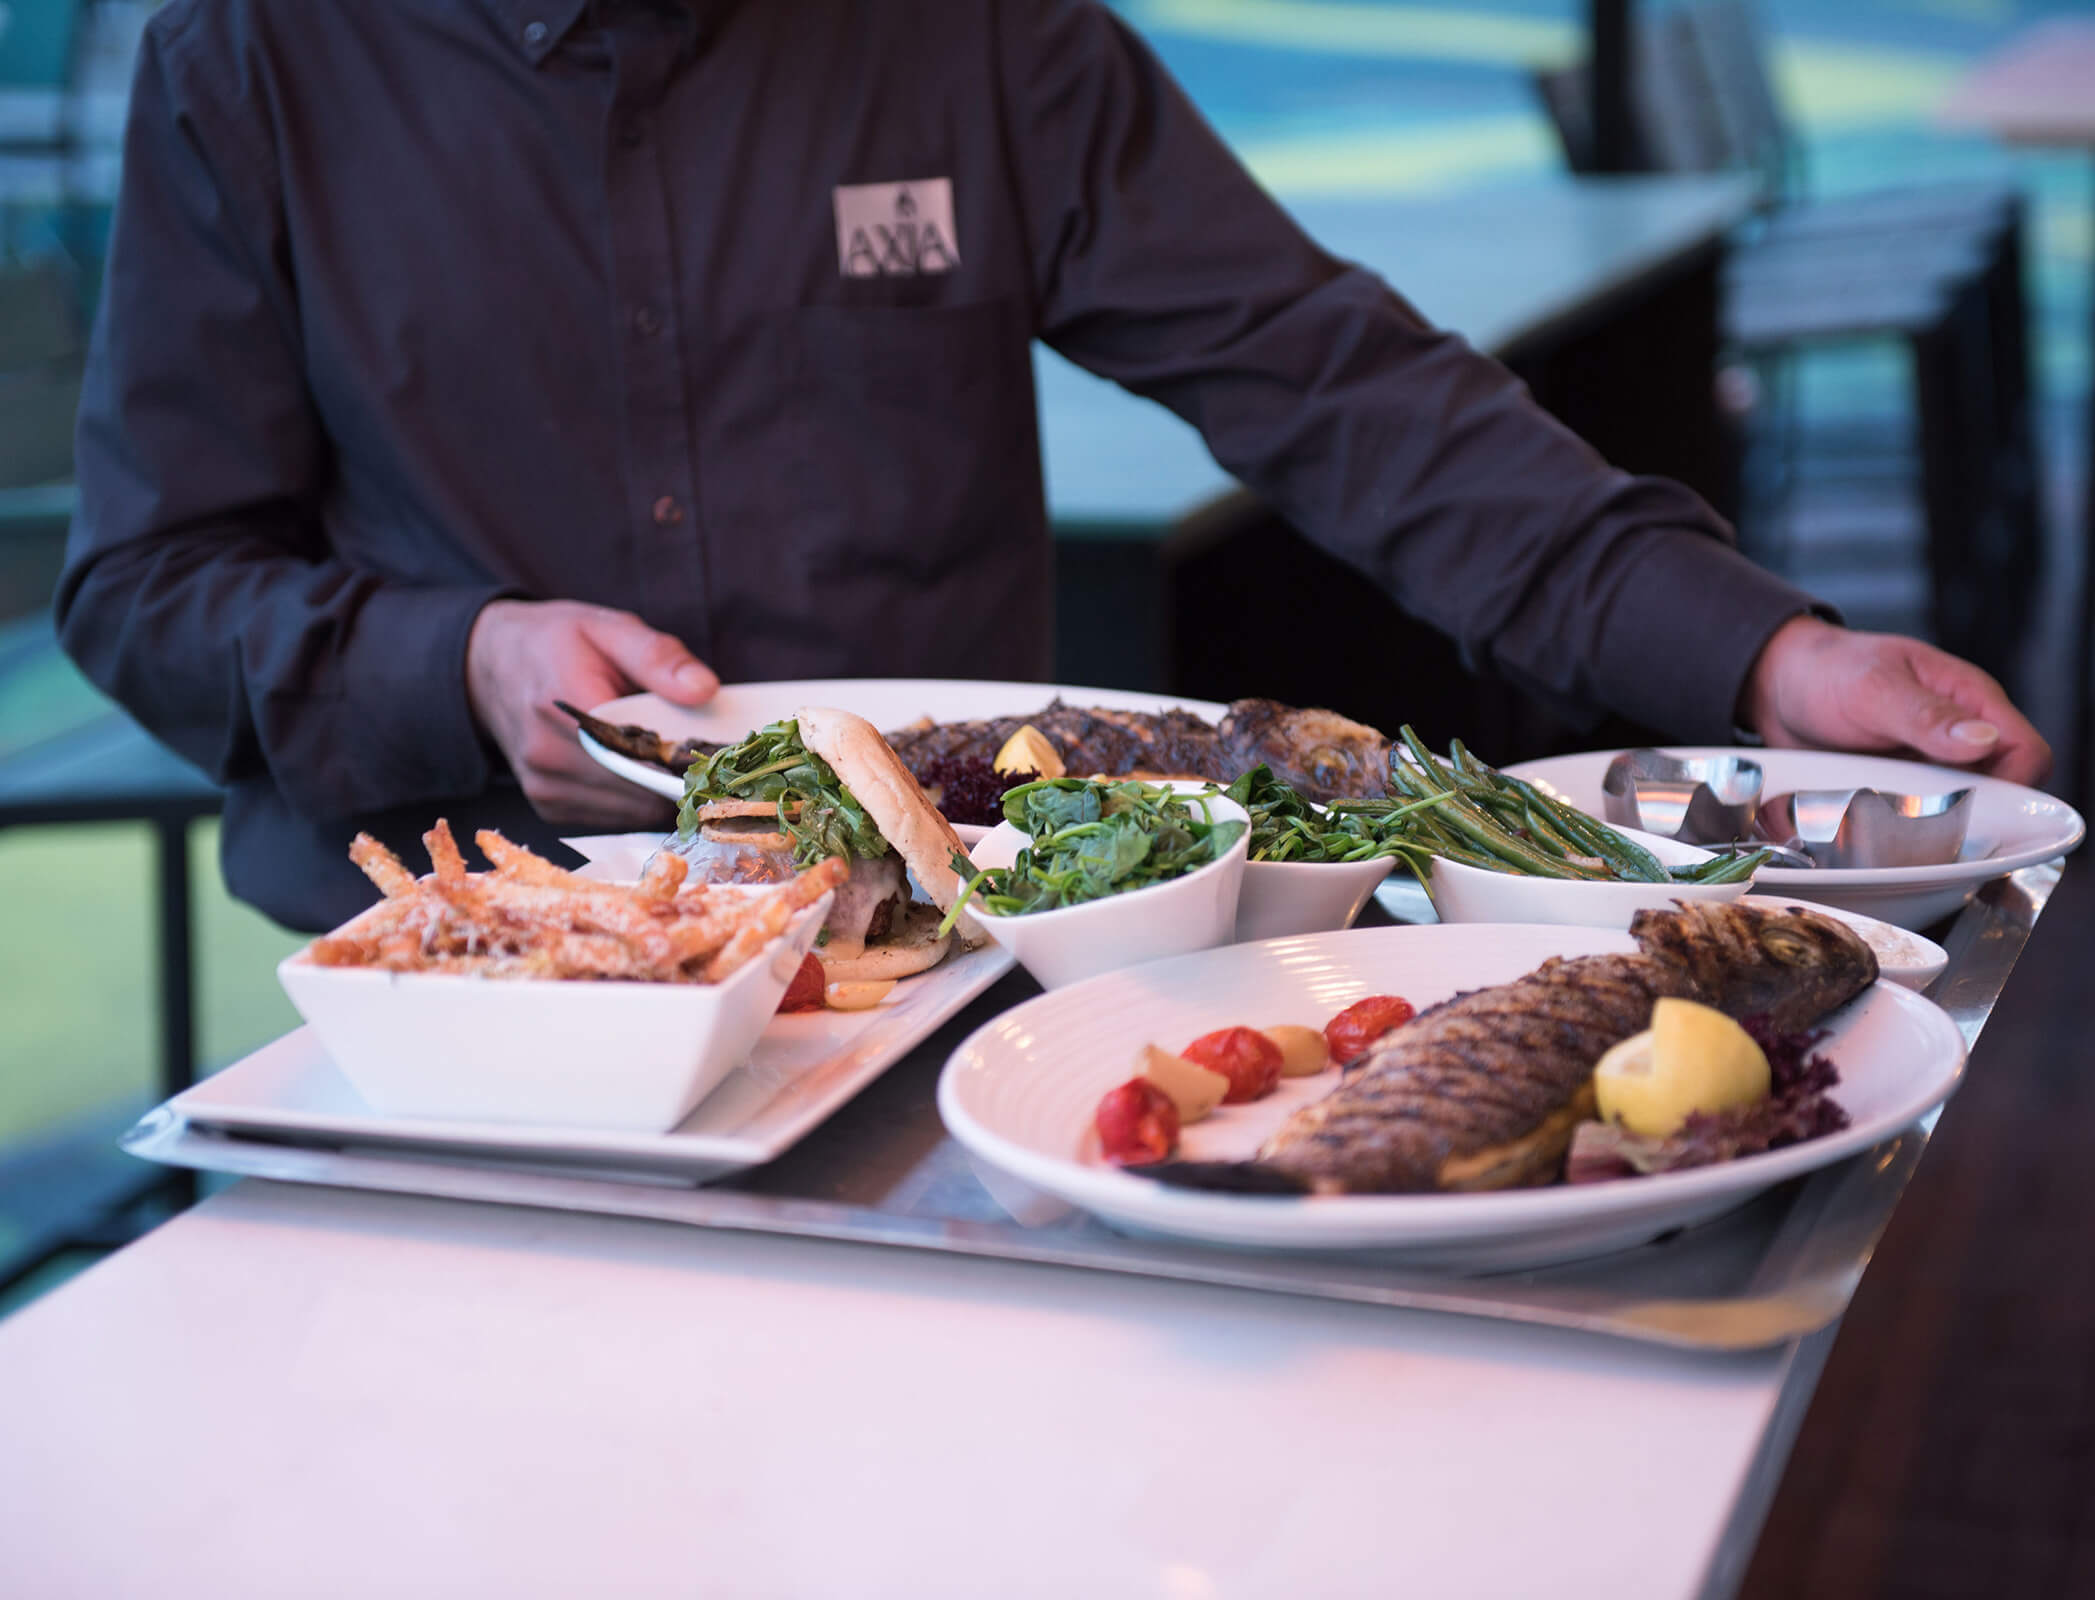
x=896 y=230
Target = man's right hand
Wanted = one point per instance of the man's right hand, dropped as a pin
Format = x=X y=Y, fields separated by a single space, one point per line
x=523 y=655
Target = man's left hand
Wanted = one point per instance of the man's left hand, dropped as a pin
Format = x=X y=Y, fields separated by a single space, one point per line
x=1819 y=686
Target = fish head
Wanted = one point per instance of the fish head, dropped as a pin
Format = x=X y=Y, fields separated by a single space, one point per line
x=1321 y=754
x=1792 y=964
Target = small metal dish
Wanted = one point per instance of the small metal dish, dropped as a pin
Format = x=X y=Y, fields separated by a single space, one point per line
x=1868 y=827
x=1707 y=802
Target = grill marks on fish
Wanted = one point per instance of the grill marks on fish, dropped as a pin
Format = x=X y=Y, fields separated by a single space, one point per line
x=1324 y=755
x=1486 y=1074
x=1484 y=1091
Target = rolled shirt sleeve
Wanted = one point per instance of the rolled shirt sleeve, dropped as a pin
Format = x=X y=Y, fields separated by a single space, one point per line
x=199 y=589
x=1162 y=265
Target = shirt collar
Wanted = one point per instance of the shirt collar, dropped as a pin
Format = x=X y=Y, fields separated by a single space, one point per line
x=536 y=27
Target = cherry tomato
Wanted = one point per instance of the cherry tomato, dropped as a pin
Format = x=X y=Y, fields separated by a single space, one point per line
x=1245 y=1056
x=804 y=993
x=1351 y=1032
x=1137 y=1123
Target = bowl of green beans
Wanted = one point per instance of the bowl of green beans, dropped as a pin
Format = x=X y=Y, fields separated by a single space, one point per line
x=1495 y=848
x=1462 y=892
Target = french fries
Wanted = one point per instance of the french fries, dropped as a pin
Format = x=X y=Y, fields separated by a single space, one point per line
x=531 y=919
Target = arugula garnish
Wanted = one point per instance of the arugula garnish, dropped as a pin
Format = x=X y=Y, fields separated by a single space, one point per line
x=1089 y=840
x=1286 y=827
x=815 y=810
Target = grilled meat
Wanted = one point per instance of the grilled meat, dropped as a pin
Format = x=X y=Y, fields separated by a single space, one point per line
x=1485 y=1090
x=642 y=744
x=1325 y=756
x=1170 y=743
x=1480 y=1093
x=1791 y=966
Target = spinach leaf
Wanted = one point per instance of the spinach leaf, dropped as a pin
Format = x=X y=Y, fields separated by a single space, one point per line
x=1087 y=840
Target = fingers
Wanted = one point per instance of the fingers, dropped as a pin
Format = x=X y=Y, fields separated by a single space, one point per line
x=655 y=661
x=1933 y=724
x=1986 y=729
x=564 y=784
x=1828 y=688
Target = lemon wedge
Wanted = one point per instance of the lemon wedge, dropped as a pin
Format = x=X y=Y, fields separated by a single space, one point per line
x=1690 y=1059
x=1028 y=750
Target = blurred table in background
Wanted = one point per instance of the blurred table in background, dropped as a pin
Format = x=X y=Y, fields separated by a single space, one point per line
x=1600 y=292
x=2039 y=89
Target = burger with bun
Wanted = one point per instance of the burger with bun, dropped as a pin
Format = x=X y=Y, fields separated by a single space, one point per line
x=824 y=783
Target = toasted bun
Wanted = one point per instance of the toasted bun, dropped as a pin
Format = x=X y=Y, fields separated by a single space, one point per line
x=915 y=946
x=897 y=804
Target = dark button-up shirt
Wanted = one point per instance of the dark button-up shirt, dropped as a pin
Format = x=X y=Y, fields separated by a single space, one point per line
x=721 y=313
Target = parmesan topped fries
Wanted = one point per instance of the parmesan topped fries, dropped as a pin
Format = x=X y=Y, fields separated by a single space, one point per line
x=531 y=919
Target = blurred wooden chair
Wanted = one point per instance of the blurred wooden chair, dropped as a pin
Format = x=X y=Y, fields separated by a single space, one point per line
x=1938 y=268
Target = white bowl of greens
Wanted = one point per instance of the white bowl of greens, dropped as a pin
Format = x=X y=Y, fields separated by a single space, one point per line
x=1310 y=868
x=1084 y=877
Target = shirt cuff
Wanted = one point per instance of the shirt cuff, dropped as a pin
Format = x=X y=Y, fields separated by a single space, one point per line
x=405 y=675
x=1687 y=622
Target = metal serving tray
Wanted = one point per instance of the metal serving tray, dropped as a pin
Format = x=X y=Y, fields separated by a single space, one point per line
x=882 y=1171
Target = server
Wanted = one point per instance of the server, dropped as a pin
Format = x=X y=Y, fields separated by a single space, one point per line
x=458 y=354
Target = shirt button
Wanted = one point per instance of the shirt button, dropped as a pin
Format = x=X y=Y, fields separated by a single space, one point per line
x=647 y=321
x=632 y=131
x=535 y=33
x=667 y=511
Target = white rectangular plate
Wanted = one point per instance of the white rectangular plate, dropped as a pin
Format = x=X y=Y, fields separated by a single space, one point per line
x=803 y=1068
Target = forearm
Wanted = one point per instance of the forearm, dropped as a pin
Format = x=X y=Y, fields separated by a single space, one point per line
x=348 y=692
x=1429 y=467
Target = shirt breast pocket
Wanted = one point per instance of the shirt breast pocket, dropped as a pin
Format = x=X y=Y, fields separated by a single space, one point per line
x=916 y=439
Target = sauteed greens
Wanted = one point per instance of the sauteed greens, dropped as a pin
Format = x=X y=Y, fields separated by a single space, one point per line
x=1090 y=840
x=815 y=810
x=1286 y=827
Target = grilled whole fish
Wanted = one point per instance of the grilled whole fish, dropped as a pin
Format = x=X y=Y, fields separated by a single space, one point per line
x=1322 y=754
x=641 y=744
x=1485 y=1090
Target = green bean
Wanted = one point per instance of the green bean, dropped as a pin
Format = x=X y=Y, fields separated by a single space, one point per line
x=1477 y=826
x=1628 y=858
x=1729 y=869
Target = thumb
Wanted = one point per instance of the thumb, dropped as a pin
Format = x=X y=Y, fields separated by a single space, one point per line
x=654 y=661
x=1937 y=726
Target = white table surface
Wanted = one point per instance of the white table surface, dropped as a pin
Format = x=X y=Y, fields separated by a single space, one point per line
x=1496 y=265
x=305 y=1391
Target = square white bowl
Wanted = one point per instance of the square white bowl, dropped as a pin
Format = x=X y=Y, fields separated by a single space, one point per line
x=634 y=1057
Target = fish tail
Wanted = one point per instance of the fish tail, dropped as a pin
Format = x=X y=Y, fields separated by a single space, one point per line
x=1224 y=1177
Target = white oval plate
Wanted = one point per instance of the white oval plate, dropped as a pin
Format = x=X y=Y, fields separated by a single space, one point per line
x=1021 y=1091
x=888 y=703
x=2011 y=826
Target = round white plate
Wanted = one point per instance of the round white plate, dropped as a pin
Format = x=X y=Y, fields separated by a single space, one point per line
x=2011 y=826
x=1909 y=960
x=1020 y=1094
x=888 y=703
